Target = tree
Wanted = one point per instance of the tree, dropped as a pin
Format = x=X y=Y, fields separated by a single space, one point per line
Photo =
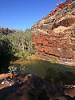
x=6 y=53
x=73 y=4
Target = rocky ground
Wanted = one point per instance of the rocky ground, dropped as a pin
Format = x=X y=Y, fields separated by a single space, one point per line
x=48 y=58
x=31 y=87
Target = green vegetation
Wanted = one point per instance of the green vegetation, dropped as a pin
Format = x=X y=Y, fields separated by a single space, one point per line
x=6 y=51
x=67 y=9
x=16 y=45
x=22 y=41
x=73 y=4
x=38 y=52
x=58 y=12
x=73 y=33
x=6 y=31
x=53 y=60
x=73 y=48
x=12 y=68
x=46 y=27
x=51 y=26
x=48 y=20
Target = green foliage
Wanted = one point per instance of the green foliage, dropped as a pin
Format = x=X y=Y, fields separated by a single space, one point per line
x=26 y=55
x=6 y=31
x=53 y=60
x=73 y=48
x=38 y=52
x=51 y=26
x=12 y=68
x=46 y=27
x=16 y=45
x=6 y=53
x=48 y=20
x=59 y=12
x=21 y=41
x=1 y=35
x=67 y=9
x=73 y=33
x=73 y=4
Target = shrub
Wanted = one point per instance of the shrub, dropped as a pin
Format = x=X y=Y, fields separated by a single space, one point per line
x=51 y=26
x=32 y=51
x=73 y=48
x=38 y=52
x=53 y=60
x=73 y=33
x=67 y=9
x=48 y=20
x=46 y=27
x=59 y=12
x=25 y=55
x=12 y=68
x=73 y=4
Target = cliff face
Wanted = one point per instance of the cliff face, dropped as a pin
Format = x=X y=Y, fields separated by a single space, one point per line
x=54 y=35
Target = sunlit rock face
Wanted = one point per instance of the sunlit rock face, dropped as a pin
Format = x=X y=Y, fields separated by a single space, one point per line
x=54 y=35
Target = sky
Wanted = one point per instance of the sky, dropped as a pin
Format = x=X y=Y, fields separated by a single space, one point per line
x=23 y=14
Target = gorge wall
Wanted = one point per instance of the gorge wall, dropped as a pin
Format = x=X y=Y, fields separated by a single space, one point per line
x=54 y=35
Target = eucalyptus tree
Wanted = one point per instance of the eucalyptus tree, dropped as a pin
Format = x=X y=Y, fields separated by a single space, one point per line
x=21 y=40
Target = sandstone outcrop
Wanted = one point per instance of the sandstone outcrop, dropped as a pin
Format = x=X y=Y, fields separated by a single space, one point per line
x=5 y=75
x=54 y=35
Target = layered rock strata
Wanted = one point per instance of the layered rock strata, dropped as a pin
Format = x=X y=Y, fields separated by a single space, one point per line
x=54 y=35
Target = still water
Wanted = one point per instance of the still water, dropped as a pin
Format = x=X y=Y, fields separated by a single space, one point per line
x=47 y=70
x=41 y=67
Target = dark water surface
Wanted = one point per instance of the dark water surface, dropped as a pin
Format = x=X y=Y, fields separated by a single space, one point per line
x=47 y=70
x=41 y=67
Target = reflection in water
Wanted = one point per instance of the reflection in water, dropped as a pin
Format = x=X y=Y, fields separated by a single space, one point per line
x=49 y=71
x=62 y=77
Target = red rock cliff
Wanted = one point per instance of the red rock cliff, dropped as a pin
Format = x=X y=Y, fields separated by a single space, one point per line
x=54 y=35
